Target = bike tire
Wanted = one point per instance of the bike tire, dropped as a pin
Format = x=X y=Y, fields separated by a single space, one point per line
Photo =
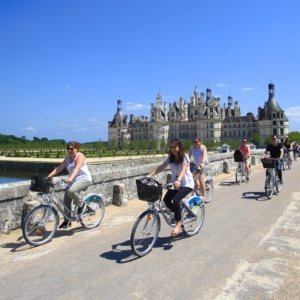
x=209 y=185
x=40 y=225
x=191 y=224
x=144 y=233
x=269 y=187
x=94 y=211
x=238 y=175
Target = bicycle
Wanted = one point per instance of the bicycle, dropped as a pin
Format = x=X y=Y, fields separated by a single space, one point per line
x=147 y=226
x=240 y=172
x=272 y=182
x=40 y=224
x=209 y=184
x=287 y=161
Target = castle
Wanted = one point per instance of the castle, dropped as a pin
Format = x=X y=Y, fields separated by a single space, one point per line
x=203 y=116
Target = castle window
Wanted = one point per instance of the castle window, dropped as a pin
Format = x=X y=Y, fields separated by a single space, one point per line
x=274 y=123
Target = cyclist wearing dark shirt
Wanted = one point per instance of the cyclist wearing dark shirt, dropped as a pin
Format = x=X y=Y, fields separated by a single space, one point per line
x=276 y=151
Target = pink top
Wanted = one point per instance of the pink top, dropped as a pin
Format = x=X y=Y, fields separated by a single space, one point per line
x=245 y=149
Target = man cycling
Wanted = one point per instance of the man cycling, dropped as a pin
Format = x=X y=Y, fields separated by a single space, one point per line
x=276 y=151
x=245 y=150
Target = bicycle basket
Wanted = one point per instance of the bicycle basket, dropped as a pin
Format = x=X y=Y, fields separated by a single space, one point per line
x=148 y=189
x=238 y=156
x=40 y=184
x=267 y=162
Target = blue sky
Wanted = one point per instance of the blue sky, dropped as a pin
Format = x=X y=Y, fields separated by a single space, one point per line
x=65 y=63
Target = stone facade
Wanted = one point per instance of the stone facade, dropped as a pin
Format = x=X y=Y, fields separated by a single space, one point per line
x=202 y=116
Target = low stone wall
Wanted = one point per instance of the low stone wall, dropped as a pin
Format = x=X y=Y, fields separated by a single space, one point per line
x=15 y=196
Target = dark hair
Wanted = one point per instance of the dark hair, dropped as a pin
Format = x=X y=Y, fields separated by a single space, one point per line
x=74 y=144
x=172 y=157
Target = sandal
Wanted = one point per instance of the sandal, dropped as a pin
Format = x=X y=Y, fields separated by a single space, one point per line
x=175 y=232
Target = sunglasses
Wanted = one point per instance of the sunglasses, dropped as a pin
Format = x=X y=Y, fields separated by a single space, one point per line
x=195 y=142
x=70 y=149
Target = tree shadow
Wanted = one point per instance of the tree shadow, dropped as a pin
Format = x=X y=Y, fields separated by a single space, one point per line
x=121 y=253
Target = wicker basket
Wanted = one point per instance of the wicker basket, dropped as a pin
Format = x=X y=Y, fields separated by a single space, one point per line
x=40 y=184
x=148 y=189
x=238 y=158
x=267 y=163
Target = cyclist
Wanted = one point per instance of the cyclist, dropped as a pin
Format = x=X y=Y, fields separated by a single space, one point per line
x=276 y=151
x=181 y=177
x=245 y=150
x=79 y=178
x=288 y=148
x=295 y=150
x=198 y=156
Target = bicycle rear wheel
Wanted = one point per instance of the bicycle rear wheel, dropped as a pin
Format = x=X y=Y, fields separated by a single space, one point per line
x=209 y=185
x=94 y=211
x=145 y=232
x=238 y=174
x=192 y=223
x=278 y=185
x=269 y=187
x=40 y=225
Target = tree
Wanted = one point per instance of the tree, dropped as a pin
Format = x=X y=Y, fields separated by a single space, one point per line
x=255 y=139
x=294 y=136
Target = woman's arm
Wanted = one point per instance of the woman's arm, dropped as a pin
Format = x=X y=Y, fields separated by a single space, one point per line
x=185 y=165
x=159 y=169
x=58 y=169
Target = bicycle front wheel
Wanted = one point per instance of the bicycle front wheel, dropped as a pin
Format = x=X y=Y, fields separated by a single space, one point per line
x=269 y=187
x=192 y=223
x=40 y=225
x=238 y=175
x=94 y=211
x=145 y=232
x=209 y=185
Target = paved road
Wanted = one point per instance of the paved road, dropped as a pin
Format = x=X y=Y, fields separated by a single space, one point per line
x=249 y=248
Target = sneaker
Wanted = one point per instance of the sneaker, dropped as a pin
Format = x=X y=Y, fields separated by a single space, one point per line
x=247 y=178
x=65 y=224
x=81 y=209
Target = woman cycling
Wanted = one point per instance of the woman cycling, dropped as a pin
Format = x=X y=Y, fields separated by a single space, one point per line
x=181 y=177
x=79 y=178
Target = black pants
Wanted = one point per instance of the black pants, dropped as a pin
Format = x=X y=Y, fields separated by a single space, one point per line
x=173 y=199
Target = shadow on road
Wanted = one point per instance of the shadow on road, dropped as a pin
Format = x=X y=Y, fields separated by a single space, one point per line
x=227 y=183
x=22 y=245
x=258 y=196
x=121 y=255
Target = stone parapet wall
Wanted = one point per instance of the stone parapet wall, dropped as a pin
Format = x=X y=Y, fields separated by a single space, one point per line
x=14 y=196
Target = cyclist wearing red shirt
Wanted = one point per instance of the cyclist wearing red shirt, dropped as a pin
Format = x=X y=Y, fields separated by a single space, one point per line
x=245 y=149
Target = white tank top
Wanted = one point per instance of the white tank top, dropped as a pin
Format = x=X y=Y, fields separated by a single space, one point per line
x=83 y=173
x=187 y=180
x=197 y=155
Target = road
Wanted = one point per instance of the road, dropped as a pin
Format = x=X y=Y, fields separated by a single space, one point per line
x=248 y=248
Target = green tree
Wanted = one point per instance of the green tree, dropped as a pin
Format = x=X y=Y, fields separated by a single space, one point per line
x=294 y=136
x=255 y=139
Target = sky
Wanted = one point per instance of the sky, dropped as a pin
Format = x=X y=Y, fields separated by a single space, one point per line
x=65 y=63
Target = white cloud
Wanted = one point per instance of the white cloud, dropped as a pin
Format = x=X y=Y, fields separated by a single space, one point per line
x=30 y=128
x=135 y=106
x=93 y=120
x=293 y=113
x=222 y=85
x=247 y=89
